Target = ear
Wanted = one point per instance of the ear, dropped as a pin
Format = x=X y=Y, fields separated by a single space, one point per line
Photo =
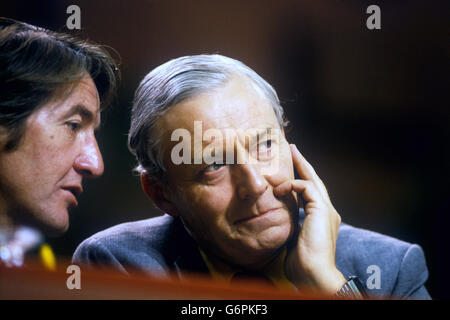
x=158 y=193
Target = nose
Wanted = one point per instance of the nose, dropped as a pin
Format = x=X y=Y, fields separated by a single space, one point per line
x=251 y=183
x=89 y=163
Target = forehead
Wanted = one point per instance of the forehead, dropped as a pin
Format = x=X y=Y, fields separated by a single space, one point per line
x=80 y=94
x=239 y=104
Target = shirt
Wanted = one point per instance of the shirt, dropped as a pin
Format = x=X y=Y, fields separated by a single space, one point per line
x=274 y=270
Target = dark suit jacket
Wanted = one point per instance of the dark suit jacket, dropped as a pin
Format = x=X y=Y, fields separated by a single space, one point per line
x=160 y=245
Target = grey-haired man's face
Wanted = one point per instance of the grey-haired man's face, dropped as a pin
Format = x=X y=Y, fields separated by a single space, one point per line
x=229 y=205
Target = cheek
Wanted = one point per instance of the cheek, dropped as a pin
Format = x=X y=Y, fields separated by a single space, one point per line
x=286 y=168
x=35 y=160
x=204 y=208
x=212 y=201
x=287 y=171
x=53 y=150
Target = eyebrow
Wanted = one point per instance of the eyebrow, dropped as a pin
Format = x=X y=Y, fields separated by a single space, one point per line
x=84 y=112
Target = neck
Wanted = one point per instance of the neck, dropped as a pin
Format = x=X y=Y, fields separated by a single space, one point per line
x=261 y=264
x=254 y=265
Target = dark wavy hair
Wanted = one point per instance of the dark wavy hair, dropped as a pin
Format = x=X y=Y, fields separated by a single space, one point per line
x=35 y=62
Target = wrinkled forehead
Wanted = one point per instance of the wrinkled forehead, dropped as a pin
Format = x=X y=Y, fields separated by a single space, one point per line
x=239 y=104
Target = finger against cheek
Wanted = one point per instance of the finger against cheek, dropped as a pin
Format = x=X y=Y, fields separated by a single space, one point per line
x=283 y=189
x=307 y=189
x=301 y=165
x=276 y=179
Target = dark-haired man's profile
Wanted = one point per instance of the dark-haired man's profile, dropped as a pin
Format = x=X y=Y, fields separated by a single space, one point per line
x=208 y=134
x=52 y=89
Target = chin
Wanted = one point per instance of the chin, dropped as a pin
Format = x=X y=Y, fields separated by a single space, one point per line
x=58 y=230
x=56 y=225
x=53 y=230
x=267 y=242
x=257 y=257
x=272 y=240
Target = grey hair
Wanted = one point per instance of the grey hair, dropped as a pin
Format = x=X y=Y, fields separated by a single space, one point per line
x=170 y=84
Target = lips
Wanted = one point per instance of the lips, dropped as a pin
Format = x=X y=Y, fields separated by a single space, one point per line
x=75 y=190
x=259 y=214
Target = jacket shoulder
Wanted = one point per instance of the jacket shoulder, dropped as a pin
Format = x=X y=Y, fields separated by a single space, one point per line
x=386 y=266
x=141 y=245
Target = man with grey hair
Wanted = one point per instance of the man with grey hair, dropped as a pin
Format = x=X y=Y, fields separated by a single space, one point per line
x=208 y=135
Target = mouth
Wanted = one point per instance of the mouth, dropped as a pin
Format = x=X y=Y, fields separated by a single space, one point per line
x=75 y=192
x=257 y=216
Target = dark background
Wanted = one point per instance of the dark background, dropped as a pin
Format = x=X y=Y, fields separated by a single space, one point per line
x=368 y=108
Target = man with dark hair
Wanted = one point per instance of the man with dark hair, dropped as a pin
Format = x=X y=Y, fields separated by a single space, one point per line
x=52 y=90
x=208 y=134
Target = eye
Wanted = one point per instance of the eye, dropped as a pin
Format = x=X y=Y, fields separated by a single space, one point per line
x=73 y=125
x=213 y=167
x=266 y=145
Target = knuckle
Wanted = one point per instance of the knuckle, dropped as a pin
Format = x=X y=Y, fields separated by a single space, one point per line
x=309 y=184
